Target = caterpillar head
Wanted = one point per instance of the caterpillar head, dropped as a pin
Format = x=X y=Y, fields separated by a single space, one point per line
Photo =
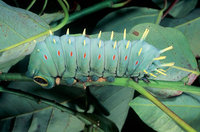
x=44 y=81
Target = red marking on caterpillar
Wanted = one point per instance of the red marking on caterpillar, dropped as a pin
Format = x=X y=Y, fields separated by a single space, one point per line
x=99 y=56
x=58 y=52
x=125 y=58
x=71 y=53
x=136 y=63
x=113 y=57
x=45 y=57
x=84 y=55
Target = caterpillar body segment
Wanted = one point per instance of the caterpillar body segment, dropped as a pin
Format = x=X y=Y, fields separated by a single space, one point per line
x=97 y=58
x=80 y=57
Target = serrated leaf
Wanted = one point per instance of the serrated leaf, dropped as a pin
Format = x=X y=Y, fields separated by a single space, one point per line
x=185 y=106
x=126 y=18
x=17 y=25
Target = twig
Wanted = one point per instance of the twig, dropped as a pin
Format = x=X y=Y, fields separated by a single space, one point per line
x=161 y=13
x=31 y=4
x=44 y=6
x=170 y=7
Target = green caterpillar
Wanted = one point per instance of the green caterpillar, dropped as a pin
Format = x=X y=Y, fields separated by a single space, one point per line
x=80 y=57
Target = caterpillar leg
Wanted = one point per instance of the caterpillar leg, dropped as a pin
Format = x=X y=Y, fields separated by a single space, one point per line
x=145 y=78
x=94 y=78
x=70 y=80
x=110 y=79
x=83 y=79
x=136 y=79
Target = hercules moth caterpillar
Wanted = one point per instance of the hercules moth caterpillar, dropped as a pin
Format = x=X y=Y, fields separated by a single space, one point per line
x=79 y=57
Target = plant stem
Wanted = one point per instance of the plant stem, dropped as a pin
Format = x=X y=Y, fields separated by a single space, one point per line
x=164 y=108
x=170 y=7
x=161 y=13
x=32 y=3
x=126 y=82
x=180 y=86
x=89 y=10
x=14 y=77
x=43 y=8
x=141 y=90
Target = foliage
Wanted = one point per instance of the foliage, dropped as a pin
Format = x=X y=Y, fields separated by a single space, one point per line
x=24 y=106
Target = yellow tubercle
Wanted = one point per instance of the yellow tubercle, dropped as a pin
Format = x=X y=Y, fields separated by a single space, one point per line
x=168 y=64
x=84 y=32
x=100 y=44
x=124 y=33
x=166 y=49
x=151 y=74
x=69 y=41
x=67 y=31
x=99 y=35
x=145 y=71
x=115 y=44
x=140 y=52
x=146 y=32
x=127 y=44
x=54 y=41
x=161 y=72
x=112 y=35
x=84 y=43
x=50 y=32
x=160 y=58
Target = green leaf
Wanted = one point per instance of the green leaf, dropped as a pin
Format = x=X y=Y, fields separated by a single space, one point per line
x=17 y=25
x=70 y=96
x=21 y=114
x=189 y=26
x=50 y=119
x=126 y=18
x=115 y=99
x=52 y=17
x=185 y=106
x=181 y=8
